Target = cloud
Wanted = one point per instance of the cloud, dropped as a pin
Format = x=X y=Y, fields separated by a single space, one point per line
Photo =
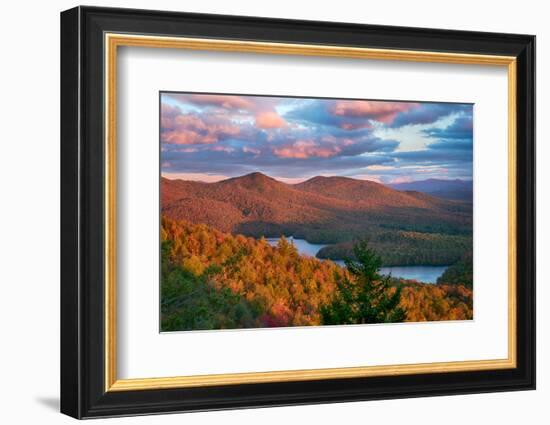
x=431 y=170
x=369 y=145
x=355 y=125
x=269 y=119
x=188 y=150
x=349 y=115
x=451 y=145
x=426 y=135
x=427 y=113
x=384 y=112
x=377 y=167
x=178 y=128
x=461 y=128
x=253 y=151
x=293 y=166
x=220 y=148
x=296 y=138
x=319 y=112
x=303 y=149
x=216 y=100
x=434 y=155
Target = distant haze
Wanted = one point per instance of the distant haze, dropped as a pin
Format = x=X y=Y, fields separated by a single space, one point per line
x=449 y=189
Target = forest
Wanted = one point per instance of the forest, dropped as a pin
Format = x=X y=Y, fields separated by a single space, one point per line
x=461 y=272
x=403 y=248
x=216 y=280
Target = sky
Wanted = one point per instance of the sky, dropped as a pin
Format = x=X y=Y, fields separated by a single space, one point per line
x=211 y=137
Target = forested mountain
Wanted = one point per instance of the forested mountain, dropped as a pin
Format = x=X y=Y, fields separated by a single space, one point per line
x=258 y=199
x=457 y=189
x=215 y=280
x=328 y=210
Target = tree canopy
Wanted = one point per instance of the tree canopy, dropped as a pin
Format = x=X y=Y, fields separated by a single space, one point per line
x=364 y=296
x=216 y=280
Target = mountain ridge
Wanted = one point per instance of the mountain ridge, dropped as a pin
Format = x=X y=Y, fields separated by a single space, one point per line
x=328 y=209
x=452 y=189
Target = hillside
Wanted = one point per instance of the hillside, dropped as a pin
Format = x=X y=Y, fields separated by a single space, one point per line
x=258 y=205
x=364 y=193
x=215 y=280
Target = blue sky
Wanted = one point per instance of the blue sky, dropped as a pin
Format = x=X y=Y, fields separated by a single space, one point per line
x=211 y=137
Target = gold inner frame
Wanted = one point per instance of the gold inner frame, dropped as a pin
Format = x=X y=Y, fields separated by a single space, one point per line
x=113 y=41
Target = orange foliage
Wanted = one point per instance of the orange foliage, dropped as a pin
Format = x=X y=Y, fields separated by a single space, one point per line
x=288 y=289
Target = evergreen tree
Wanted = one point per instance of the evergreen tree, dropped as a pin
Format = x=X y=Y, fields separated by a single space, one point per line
x=365 y=298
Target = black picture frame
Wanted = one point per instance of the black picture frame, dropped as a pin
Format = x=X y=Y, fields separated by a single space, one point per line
x=83 y=392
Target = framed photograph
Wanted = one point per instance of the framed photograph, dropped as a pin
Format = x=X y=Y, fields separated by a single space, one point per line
x=261 y=212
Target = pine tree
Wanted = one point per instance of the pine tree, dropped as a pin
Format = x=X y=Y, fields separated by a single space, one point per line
x=366 y=297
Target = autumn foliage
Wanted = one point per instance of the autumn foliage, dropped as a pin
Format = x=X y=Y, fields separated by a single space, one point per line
x=363 y=295
x=216 y=280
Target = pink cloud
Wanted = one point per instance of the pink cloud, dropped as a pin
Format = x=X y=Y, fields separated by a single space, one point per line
x=261 y=108
x=188 y=150
x=384 y=112
x=167 y=114
x=269 y=119
x=303 y=149
x=222 y=101
x=191 y=129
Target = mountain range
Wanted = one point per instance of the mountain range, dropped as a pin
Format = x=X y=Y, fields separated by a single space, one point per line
x=461 y=190
x=321 y=210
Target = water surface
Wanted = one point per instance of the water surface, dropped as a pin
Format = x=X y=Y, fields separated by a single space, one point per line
x=426 y=274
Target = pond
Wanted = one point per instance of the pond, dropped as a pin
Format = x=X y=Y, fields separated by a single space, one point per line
x=426 y=274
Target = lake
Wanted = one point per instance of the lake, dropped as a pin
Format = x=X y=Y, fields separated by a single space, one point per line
x=426 y=274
